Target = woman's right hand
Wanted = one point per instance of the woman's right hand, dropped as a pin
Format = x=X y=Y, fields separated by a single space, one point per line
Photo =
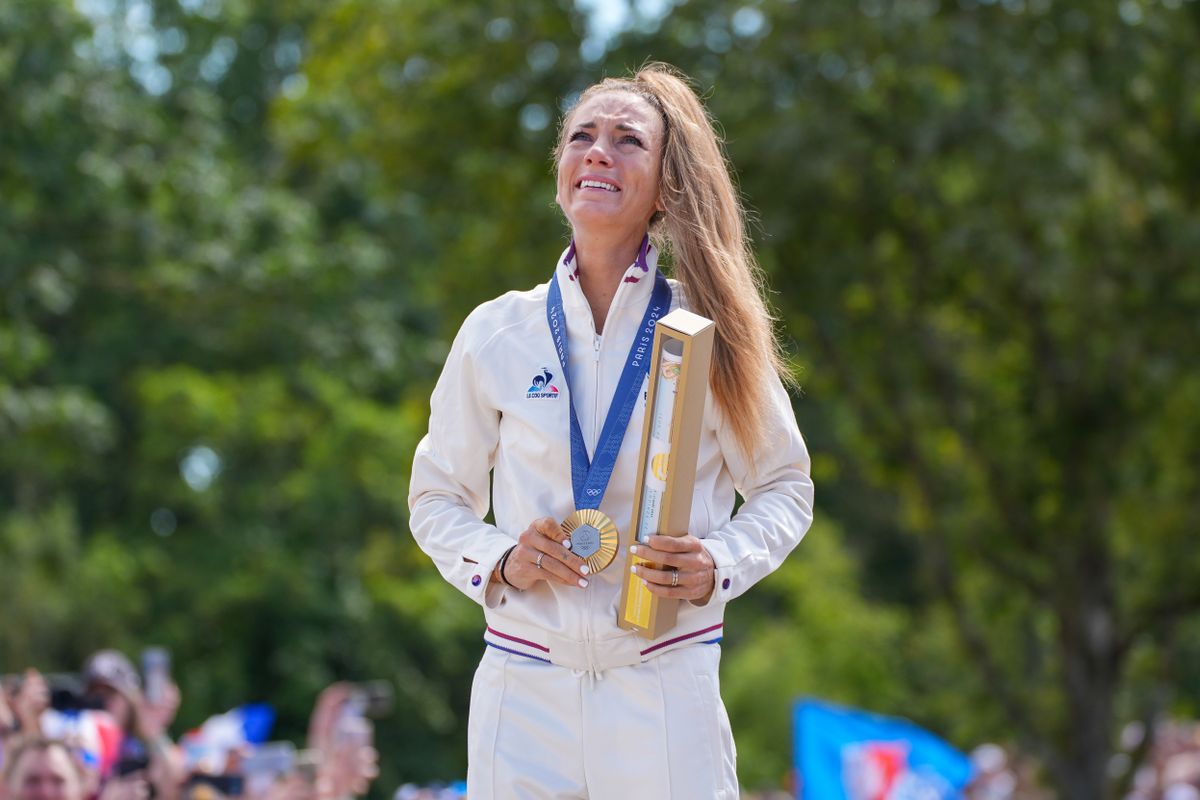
x=540 y=555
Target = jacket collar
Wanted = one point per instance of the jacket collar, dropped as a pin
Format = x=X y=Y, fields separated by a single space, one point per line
x=636 y=286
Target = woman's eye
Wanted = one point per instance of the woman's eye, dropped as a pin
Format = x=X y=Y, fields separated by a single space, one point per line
x=579 y=136
x=632 y=140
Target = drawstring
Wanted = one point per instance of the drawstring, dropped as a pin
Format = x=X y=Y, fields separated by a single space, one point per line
x=596 y=675
x=592 y=670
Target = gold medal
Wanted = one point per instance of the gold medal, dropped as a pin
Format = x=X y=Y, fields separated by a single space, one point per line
x=593 y=536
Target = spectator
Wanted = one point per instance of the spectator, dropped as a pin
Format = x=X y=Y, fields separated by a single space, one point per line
x=21 y=704
x=25 y=703
x=345 y=738
x=41 y=769
x=111 y=682
x=109 y=742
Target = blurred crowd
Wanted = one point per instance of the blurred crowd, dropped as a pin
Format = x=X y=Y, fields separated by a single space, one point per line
x=1000 y=776
x=1168 y=769
x=1171 y=769
x=411 y=791
x=103 y=734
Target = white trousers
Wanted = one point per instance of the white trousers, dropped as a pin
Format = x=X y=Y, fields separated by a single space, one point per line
x=653 y=730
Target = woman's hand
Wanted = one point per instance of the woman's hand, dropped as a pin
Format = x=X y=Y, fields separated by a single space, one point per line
x=325 y=714
x=688 y=571
x=153 y=719
x=350 y=767
x=540 y=555
x=349 y=760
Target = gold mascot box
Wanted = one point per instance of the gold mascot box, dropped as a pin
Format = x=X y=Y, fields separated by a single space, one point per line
x=683 y=344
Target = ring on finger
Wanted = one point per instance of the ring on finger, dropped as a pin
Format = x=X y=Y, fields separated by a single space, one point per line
x=538 y=562
x=674 y=577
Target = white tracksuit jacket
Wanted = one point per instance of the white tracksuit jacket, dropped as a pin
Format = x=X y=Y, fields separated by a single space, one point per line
x=485 y=420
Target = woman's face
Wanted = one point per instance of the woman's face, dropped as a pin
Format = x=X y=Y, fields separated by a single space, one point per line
x=608 y=173
x=114 y=703
x=46 y=775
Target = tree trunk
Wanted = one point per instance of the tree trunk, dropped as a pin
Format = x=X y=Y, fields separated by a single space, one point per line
x=1090 y=661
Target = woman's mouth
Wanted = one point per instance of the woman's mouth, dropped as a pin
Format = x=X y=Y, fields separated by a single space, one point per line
x=592 y=183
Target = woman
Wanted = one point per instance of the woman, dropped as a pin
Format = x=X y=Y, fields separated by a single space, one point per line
x=565 y=703
x=112 y=683
x=42 y=769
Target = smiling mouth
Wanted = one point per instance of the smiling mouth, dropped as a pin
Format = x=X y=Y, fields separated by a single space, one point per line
x=593 y=184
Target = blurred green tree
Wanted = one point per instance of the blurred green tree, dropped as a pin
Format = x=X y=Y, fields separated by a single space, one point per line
x=203 y=422
x=980 y=218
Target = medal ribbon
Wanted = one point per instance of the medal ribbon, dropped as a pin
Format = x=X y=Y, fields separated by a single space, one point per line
x=589 y=477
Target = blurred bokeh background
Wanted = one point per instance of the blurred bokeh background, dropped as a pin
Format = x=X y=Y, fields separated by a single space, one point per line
x=237 y=237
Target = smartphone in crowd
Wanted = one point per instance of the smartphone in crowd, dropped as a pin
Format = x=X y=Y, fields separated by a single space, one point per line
x=373 y=698
x=131 y=765
x=367 y=701
x=156 y=673
x=308 y=764
x=275 y=758
x=268 y=763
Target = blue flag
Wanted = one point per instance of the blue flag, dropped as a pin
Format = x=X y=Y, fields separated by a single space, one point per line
x=844 y=754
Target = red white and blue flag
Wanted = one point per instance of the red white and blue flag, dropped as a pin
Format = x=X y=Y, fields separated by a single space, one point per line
x=207 y=748
x=846 y=754
x=95 y=735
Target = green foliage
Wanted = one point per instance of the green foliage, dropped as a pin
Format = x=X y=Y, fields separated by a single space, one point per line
x=982 y=247
x=809 y=632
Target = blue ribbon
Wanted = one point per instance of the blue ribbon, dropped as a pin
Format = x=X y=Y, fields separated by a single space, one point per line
x=589 y=477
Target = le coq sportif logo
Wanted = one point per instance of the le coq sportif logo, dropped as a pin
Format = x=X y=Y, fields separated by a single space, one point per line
x=541 y=386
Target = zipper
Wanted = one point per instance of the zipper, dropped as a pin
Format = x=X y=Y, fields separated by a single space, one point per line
x=597 y=343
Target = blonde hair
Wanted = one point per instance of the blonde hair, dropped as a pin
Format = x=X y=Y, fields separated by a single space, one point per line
x=32 y=745
x=704 y=230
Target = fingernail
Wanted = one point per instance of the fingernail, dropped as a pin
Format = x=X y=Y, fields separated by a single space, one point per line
x=584 y=569
x=633 y=568
x=583 y=583
x=634 y=550
x=645 y=584
x=567 y=543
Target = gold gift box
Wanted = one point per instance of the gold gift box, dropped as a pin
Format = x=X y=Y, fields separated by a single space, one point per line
x=683 y=344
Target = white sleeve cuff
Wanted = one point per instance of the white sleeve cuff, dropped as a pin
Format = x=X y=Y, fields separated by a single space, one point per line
x=478 y=584
x=725 y=586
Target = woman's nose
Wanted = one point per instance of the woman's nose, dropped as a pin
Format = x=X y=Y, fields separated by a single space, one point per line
x=596 y=154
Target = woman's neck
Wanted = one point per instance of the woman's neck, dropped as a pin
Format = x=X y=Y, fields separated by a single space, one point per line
x=602 y=262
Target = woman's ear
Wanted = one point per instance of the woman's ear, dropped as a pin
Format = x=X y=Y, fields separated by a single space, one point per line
x=660 y=210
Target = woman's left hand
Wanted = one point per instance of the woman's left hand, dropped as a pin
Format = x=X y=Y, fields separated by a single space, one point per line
x=153 y=719
x=688 y=571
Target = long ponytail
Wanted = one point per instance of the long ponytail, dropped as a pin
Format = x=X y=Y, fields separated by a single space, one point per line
x=704 y=230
